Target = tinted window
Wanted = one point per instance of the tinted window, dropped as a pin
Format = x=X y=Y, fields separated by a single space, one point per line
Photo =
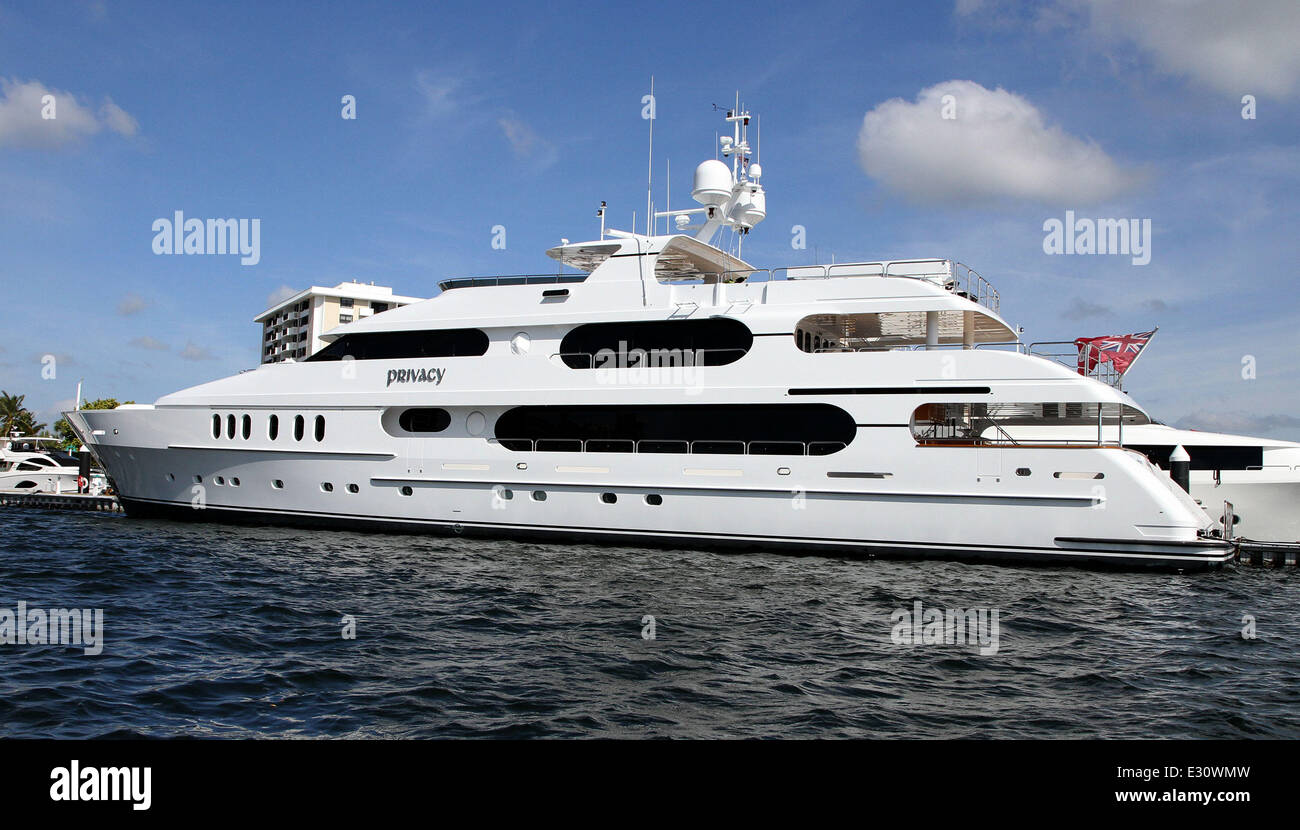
x=395 y=345
x=297 y=427
x=320 y=427
x=767 y=429
x=273 y=427
x=424 y=420
x=712 y=342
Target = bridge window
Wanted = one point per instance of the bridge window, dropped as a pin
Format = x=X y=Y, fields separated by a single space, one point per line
x=712 y=342
x=881 y=331
x=396 y=345
x=735 y=429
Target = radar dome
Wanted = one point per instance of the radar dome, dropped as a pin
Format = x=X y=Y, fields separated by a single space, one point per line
x=712 y=183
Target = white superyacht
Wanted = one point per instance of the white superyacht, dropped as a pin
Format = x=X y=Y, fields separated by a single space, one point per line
x=663 y=390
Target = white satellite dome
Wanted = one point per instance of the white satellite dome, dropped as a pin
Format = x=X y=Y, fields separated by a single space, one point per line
x=712 y=183
x=750 y=208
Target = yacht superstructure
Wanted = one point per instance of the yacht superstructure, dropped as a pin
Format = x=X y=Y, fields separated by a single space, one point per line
x=664 y=390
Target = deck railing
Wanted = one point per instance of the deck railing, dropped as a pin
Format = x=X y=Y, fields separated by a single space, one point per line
x=957 y=277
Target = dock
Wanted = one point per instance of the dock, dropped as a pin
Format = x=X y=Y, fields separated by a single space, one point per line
x=1268 y=554
x=59 y=501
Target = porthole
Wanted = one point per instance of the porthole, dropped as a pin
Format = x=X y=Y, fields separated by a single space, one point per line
x=278 y=484
x=520 y=343
x=475 y=423
x=216 y=425
x=230 y=425
x=298 y=425
x=198 y=479
x=608 y=498
x=220 y=480
x=406 y=490
x=273 y=427
x=539 y=495
x=234 y=482
x=503 y=493
x=654 y=499
x=320 y=427
x=1022 y=471
x=171 y=476
x=352 y=488
x=327 y=487
x=246 y=426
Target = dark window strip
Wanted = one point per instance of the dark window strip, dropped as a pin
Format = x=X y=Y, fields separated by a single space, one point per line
x=895 y=390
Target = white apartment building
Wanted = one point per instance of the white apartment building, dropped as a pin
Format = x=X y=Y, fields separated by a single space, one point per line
x=293 y=327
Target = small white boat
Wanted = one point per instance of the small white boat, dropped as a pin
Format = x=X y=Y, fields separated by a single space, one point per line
x=25 y=466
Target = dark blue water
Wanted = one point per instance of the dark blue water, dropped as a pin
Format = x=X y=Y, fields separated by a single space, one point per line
x=216 y=630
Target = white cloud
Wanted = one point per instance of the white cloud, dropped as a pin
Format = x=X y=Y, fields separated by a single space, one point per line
x=24 y=122
x=442 y=93
x=280 y=294
x=117 y=119
x=1239 y=47
x=147 y=342
x=193 y=351
x=131 y=304
x=1080 y=309
x=998 y=147
x=525 y=142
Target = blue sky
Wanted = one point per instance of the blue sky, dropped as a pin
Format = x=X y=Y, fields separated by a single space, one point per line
x=474 y=115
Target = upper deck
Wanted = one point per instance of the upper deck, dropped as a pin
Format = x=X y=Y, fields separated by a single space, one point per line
x=634 y=277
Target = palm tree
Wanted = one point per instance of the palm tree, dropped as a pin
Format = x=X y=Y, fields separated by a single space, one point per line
x=26 y=424
x=11 y=409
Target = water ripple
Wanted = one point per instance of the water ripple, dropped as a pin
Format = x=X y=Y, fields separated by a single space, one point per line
x=237 y=632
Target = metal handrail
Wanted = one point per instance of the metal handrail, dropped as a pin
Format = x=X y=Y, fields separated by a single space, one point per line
x=1103 y=371
x=961 y=279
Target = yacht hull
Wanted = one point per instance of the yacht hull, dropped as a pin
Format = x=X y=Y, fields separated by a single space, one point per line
x=943 y=502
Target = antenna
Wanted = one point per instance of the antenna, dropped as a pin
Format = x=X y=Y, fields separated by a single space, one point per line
x=668 y=179
x=650 y=163
x=730 y=198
